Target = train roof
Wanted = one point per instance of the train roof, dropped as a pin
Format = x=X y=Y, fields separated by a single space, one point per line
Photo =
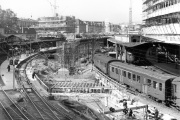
x=161 y=76
x=176 y=80
x=103 y=57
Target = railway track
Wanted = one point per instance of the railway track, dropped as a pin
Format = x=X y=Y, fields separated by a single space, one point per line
x=4 y=113
x=140 y=95
x=34 y=102
x=38 y=106
x=11 y=109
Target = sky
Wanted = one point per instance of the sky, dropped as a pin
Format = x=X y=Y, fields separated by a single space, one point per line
x=115 y=11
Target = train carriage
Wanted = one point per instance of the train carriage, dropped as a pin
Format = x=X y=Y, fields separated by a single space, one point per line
x=101 y=62
x=176 y=91
x=123 y=73
x=149 y=82
x=156 y=84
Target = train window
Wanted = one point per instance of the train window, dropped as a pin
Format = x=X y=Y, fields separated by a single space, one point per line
x=116 y=71
x=138 y=78
x=154 y=84
x=112 y=69
x=134 y=77
x=124 y=73
x=129 y=75
x=160 y=86
x=149 y=82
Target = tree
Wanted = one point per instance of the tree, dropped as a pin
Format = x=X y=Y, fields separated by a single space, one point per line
x=7 y=18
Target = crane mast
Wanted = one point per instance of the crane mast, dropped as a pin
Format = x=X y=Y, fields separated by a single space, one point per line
x=54 y=7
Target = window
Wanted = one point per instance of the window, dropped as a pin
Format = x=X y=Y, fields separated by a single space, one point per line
x=119 y=72
x=124 y=73
x=134 y=77
x=138 y=78
x=154 y=84
x=116 y=71
x=149 y=82
x=129 y=75
x=99 y=61
x=112 y=69
x=160 y=86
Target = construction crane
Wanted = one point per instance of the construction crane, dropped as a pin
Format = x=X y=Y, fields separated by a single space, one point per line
x=54 y=8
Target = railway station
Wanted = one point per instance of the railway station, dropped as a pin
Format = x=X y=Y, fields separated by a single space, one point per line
x=62 y=67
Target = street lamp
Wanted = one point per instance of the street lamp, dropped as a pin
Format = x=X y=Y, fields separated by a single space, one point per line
x=13 y=66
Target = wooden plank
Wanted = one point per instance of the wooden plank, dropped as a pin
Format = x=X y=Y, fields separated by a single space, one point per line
x=120 y=110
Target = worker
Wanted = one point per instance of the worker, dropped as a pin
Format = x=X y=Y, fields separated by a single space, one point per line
x=33 y=75
x=8 y=67
x=130 y=113
x=156 y=114
x=125 y=104
x=125 y=107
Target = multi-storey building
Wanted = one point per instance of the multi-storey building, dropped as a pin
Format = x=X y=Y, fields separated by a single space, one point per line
x=22 y=33
x=112 y=28
x=95 y=27
x=52 y=26
x=162 y=20
x=115 y=28
x=21 y=22
x=80 y=26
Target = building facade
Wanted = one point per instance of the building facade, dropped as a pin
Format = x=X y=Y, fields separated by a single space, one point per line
x=26 y=22
x=95 y=27
x=53 y=26
x=23 y=33
x=162 y=20
x=112 y=28
x=80 y=26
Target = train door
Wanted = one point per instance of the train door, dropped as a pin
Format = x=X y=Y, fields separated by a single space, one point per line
x=144 y=87
x=120 y=76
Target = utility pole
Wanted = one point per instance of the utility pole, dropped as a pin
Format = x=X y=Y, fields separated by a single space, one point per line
x=13 y=68
x=92 y=55
x=130 y=14
x=130 y=20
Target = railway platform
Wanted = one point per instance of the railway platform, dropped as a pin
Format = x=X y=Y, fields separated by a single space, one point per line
x=7 y=77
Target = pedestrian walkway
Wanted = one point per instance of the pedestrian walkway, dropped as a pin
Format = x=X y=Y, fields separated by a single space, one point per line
x=7 y=77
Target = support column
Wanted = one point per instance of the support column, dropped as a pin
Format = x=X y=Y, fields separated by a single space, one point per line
x=125 y=53
x=107 y=44
x=116 y=48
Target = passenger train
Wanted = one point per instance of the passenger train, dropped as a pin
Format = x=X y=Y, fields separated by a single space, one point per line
x=158 y=85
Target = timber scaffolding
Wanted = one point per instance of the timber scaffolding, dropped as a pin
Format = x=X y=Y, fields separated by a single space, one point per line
x=84 y=87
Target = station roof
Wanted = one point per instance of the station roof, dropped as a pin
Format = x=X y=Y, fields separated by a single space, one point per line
x=127 y=44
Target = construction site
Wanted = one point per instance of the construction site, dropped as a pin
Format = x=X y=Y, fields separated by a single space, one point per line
x=68 y=76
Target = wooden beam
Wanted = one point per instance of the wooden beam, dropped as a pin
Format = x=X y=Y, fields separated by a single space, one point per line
x=120 y=110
